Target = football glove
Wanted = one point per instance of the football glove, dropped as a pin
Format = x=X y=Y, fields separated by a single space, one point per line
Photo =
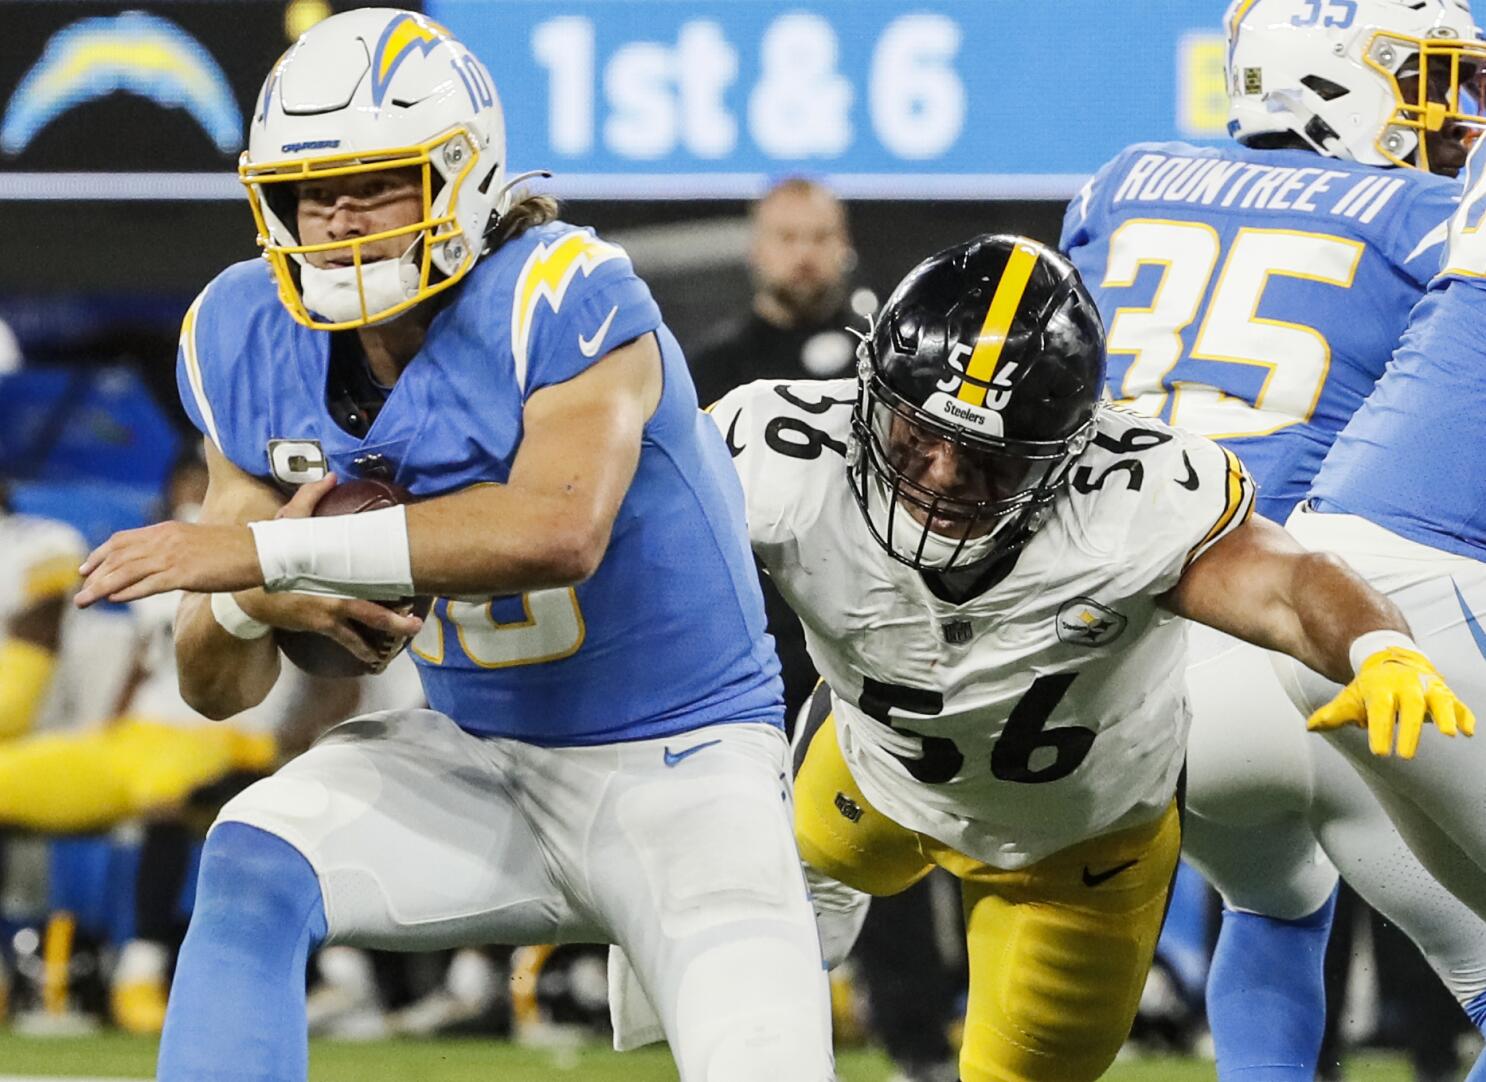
x=1395 y=685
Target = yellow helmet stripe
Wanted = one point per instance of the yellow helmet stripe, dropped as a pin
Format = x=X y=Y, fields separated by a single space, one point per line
x=1238 y=14
x=992 y=337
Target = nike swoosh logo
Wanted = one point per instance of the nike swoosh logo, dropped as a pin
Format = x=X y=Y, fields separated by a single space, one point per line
x=1471 y=623
x=674 y=757
x=589 y=347
x=1093 y=879
x=734 y=448
x=1190 y=483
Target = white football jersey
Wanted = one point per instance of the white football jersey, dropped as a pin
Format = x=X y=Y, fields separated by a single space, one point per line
x=1050 y=708
x=41 y=560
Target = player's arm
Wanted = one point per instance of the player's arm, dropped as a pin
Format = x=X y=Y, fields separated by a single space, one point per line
x=1257 y=584
x=547 y=527
x=222 y=673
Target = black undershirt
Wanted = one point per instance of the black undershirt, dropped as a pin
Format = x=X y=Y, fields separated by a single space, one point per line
x=352 y=395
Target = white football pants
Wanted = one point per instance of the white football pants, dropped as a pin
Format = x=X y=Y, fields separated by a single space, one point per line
x=1274 y=812
x=680 y=850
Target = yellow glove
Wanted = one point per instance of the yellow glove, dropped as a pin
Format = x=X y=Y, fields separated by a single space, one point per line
x=1391 y=684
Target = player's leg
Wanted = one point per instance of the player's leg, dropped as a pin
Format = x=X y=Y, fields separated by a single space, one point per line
x=395 y=830
x=1059 y=952
x=692 y=865
x=1377 y=863
x=1249 y=789
x=1436 y=799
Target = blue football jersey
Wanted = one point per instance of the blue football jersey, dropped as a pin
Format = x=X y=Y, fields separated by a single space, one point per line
x=1255 y=296
x=1413 y=458
x=668 y=635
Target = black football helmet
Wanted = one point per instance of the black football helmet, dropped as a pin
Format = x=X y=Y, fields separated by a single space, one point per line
x=977 y=386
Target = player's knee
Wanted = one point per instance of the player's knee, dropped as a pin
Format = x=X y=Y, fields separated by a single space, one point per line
x=257 y=880
x=840 y=912
x=754 y=1010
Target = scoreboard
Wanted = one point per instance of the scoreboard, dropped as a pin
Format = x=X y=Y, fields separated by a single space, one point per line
x=645 y=99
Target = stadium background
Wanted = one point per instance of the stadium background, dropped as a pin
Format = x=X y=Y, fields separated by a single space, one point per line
x=120 y=127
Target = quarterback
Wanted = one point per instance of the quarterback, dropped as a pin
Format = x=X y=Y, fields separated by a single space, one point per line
x=990 y=567
x=580 y=525
x=1254 y=293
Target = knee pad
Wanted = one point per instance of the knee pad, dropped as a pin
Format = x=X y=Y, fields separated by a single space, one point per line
x=786 y=1055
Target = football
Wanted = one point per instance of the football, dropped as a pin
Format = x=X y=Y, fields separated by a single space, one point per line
x=320 y=655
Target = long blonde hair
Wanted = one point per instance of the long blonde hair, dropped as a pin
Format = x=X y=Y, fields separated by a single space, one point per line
x=528 y=211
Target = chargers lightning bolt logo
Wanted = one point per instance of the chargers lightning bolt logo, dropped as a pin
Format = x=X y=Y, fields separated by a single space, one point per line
x=547 y=273
x=402 y=36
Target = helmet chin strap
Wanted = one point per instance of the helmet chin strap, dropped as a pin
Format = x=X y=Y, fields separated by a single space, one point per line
x=332 y=292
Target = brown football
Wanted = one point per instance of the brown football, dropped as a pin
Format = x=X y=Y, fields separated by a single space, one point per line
x=321 y=655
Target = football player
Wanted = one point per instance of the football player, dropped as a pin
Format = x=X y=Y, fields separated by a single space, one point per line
x=990 y=568
x=604 y=759
x=1254 y=293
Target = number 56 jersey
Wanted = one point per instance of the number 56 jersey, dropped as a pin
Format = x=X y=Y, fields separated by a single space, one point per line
x=1045 y=710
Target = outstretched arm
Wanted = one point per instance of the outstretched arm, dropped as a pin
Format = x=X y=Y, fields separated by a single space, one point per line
x=1258 y=584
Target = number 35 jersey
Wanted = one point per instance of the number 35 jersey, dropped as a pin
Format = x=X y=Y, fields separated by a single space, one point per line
x=1046 y=710
x=1255 y=296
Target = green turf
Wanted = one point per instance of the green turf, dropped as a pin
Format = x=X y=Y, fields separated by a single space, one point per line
x=111 y=1055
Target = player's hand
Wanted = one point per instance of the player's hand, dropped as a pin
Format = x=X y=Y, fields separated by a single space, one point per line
x=170 y=556
x=1395 y=686
x=347 y=620
x=307 y=498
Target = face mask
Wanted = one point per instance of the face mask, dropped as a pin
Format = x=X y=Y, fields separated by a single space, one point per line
x=331 y=291
x=938 y=551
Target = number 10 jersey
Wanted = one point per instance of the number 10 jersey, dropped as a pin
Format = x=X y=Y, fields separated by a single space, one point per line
x=1046 y=710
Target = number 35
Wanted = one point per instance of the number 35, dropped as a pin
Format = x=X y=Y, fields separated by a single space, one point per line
x=1347 y=9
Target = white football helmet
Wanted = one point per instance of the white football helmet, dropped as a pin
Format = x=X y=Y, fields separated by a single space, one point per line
x=1363 y=80
x=367 y=90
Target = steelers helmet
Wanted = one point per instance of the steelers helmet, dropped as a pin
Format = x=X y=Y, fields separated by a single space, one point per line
x=978 y=384
x=364 y=91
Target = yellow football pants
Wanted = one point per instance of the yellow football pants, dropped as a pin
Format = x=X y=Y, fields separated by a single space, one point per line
x=69 y=783
x=1058 y=952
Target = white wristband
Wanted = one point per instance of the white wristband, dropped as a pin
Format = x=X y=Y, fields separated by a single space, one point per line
x=364 y=555
x=1364 y=646
x=235 y=621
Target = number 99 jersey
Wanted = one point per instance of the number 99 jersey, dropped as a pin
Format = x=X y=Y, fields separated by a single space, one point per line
x=1045 y=710
x=1255 y=296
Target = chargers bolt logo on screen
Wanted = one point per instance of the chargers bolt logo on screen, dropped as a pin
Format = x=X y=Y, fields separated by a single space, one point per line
x=135 y=52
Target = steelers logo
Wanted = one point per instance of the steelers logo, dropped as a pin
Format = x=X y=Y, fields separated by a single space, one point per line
x=1085 y=622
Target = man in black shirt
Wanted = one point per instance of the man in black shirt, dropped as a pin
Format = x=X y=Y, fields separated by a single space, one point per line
x=800 y=257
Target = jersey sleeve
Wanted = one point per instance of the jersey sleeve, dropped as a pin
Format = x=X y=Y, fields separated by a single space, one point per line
x=740 y=417
x=1419 y=240
x=1212 y=497
x=576 y=299
x=189 y=377
x=1163 y=496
